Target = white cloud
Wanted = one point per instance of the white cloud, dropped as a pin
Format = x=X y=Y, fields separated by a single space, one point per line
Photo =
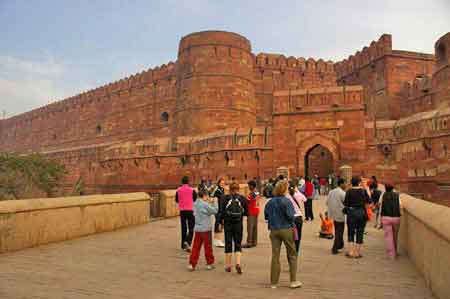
x=28 y=84
x=14 y=66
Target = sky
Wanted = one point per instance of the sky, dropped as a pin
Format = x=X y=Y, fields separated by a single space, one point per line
x=53 y=49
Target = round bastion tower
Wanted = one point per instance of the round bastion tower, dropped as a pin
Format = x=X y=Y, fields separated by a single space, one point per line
x=215 y=89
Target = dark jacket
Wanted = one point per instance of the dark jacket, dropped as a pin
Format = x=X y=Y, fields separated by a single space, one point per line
x=390 y=205
x=356 y=198
x=375 y=198
x=279 y=213
x=219 y=193
x=224 y=201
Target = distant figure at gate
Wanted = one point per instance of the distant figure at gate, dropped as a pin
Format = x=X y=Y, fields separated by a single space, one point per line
x=309 y=193
x=185 y=197
x=323 y=186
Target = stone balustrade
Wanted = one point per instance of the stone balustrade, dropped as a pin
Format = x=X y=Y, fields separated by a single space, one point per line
x=425 y=237
x=169 y=207
x=32 y=222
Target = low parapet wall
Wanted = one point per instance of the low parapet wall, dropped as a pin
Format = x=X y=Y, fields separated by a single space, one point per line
x=32 y=222
x=425 y=238
x=169 y=207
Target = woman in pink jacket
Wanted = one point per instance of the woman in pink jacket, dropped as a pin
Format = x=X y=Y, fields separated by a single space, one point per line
x=297 y=199
x=185 y=197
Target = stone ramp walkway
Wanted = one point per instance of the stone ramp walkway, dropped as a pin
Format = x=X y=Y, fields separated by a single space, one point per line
x=145 y=262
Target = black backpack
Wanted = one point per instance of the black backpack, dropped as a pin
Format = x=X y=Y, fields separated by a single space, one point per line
x=268 y=190
x=234 y=210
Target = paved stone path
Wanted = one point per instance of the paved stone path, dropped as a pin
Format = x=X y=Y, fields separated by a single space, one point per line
x=145 y=262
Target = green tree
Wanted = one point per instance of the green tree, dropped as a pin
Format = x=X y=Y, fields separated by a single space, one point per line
x=24 y=176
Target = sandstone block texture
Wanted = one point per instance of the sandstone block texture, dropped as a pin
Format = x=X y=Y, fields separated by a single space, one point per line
x=220 y=110
x=169 y=207
x=214 y=83
x=425 y=237
x=28 y=223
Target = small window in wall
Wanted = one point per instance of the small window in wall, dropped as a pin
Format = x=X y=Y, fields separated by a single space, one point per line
x=98 y=129
x=164 y=117
x=441 y=53
x=266 y=135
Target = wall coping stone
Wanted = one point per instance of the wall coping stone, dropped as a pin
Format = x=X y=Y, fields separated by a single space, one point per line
x=435 y=217
x=28 y=205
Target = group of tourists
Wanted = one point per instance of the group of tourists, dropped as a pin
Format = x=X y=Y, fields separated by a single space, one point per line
x=356 y=206
x=284 y=216
x=229 y=211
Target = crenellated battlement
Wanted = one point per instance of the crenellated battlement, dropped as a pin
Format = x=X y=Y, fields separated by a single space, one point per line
x=136 y=81
x=362 y=58
x=268 y=60
x=220 y=110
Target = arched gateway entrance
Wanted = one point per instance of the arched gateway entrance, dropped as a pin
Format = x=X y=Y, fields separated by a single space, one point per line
x=317 y=154
x=319 y=160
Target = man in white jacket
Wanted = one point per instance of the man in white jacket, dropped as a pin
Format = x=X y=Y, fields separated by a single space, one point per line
x=335 y=203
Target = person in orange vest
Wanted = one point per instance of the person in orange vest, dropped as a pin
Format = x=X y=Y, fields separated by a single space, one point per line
x=326 y=227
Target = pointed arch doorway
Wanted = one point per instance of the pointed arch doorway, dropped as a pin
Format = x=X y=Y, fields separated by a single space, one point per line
x=319 y=160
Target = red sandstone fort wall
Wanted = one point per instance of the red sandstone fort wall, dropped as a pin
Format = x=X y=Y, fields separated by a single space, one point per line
x=214 y=83
x=327 y=116
x=276 y=72
x=127 y=109
x=122 y=167
x=382 y=71
x=221 y=111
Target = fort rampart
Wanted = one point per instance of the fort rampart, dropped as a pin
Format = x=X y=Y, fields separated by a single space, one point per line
x=221 y=110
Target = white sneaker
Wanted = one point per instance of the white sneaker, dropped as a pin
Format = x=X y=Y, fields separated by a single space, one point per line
x=191 y=268
x=273 y=286
x=210 y=267
x=295 y=285
x=187 y=248
x=219 y=243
